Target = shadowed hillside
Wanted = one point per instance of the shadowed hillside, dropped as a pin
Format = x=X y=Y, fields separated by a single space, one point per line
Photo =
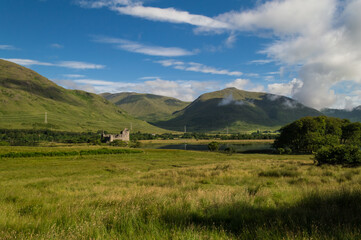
x=25 y=96
x=237 y=110
x=353 y=115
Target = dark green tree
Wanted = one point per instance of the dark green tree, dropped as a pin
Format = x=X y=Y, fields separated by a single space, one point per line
x=308 y=134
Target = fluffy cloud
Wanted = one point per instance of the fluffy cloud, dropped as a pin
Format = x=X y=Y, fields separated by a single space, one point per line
x=326 y=53
x=230 y=100
x=285 y=89
x=245 y=84
x=196 y=67
x=172 y=15
x=284 y=17
x=131 y=46
x=65 y=64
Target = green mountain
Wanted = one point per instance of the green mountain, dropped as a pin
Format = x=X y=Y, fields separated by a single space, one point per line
x=29 y=100
x=148 y=107
x=353 y=115
x=237 y=110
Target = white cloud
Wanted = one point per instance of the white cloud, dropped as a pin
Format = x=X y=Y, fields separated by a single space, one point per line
x=229 y=100
x=172 y=15
x=94 y=82
x=284 y=17
x=239 y=83
x=7 y=47
x=79 y=65
x=65 y=64
x=56 y=45
x=285 y=89
x=261 y=61
x=73 y=75
x=196 y=67
x=148 y=78
x=103 y=3
x=232 y=38
x=131 y=46
x=252 y=75
x=245 y=84
x=27 y=62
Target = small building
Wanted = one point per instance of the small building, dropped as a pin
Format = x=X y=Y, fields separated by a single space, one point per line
x=123 y=136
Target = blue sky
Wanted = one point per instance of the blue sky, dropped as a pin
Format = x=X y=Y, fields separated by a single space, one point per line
x=306 y=49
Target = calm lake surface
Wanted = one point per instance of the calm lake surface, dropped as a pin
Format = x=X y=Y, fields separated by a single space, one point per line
x=239 y=148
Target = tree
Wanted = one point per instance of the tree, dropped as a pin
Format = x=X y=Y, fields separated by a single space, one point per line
x=351 y=134
x=342 y=154
x=213 y=146
x=308 y=134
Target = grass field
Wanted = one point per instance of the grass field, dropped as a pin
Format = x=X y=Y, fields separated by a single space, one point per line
x=165 y=194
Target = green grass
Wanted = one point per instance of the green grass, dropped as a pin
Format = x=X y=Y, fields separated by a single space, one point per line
x=165 y=194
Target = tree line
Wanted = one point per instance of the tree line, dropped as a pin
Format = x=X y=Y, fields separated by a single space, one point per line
x=32 y=137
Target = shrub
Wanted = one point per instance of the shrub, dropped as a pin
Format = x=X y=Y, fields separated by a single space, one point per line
x=213 y=146
x=341 y=154
x=118 y=143
x=135 y=144
x=281 y=151
x=230 y=150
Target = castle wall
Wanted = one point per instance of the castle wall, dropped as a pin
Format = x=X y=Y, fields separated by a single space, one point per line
x=123 y=136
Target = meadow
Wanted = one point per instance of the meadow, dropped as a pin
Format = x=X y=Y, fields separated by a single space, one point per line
x=174 y=194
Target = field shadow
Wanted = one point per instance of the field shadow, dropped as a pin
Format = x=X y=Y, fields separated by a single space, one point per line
x=327 y=216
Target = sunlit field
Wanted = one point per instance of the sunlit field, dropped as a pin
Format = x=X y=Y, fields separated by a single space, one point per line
x=173 y=194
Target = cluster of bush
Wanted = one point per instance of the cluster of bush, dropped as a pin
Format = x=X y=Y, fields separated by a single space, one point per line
x=332 y=140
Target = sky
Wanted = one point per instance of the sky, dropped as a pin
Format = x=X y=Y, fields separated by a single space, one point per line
x=305 y=49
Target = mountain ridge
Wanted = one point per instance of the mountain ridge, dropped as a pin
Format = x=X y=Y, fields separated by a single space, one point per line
x=353 y=114
x=145 y=106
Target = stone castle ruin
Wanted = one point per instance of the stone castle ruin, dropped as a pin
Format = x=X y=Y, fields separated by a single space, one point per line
x=123 y=136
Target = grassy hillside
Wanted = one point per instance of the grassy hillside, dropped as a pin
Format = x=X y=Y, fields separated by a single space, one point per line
x=148 y=107
x=237 y=110
x=354 y=115
x=25 y=96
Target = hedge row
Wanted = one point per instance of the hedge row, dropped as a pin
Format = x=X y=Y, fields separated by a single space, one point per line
x=69 y=153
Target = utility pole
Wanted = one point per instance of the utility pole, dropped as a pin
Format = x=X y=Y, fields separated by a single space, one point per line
x=46 y=118
x=227 y=130
x=185 y=128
